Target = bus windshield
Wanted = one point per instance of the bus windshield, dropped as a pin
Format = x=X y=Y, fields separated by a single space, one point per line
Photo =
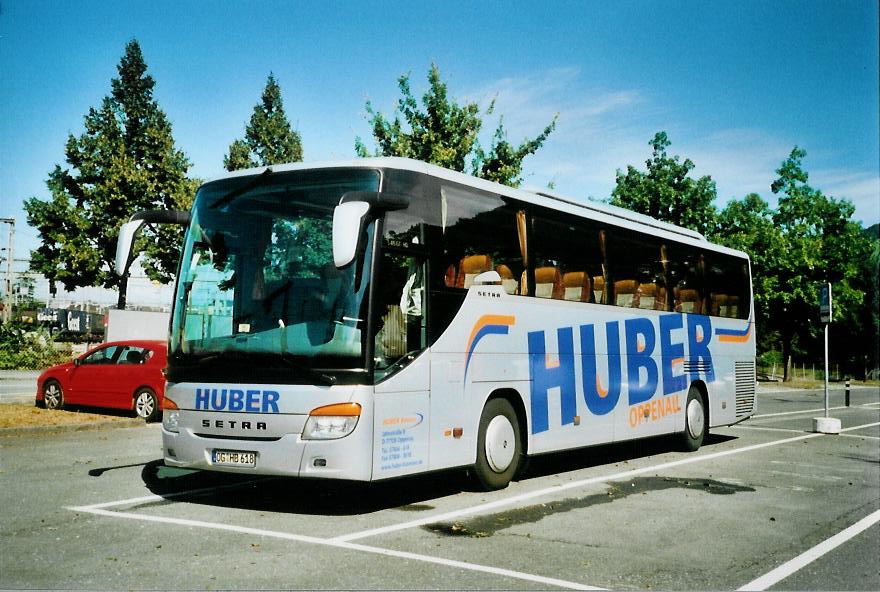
x=257 y=286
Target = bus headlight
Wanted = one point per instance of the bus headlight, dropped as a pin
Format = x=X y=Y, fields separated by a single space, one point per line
x=331 y=422
x=170 y=416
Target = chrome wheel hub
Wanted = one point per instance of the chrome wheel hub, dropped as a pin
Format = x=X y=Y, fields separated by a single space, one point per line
x=144 y=405
x=695 y=418
x=500 y=443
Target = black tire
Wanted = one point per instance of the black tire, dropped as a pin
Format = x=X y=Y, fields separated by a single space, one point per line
x=696 y=421
x=53 y=395
x=146 y=404
x=499 y=446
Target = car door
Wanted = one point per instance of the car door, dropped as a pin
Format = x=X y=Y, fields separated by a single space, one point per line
x=91 y=379
x=129 y=373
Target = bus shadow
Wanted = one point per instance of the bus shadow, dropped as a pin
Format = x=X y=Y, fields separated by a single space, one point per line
x=347 y=498
x=606 y=454
x=298 y=496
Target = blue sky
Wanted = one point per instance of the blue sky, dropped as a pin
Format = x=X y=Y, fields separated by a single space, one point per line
x=736 y=85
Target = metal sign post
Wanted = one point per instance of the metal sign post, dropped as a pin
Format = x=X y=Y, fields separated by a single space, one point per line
x=826 y=425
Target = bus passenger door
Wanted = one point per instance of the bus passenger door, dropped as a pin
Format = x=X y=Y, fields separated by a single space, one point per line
x=402 y=369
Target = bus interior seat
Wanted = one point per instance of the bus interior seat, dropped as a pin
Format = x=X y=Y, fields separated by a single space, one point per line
x=548 y=283
x=626 y=293
x=648 y=296
x=719 y=305
x=598 y=289
x=725 y=305
x=660 y=302
x=450 y=277
x=577 y=286
x=470 y=267
x=687 y=300
x=508 y=282
x=733 y=307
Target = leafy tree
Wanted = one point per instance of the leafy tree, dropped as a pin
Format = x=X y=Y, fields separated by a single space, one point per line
x=445 y=133
x=124 y=161
x=808 y=240
x=665 y=191
x=748 y=225
x=268 y=137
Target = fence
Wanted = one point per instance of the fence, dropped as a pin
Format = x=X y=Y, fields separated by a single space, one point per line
x=813 y=372
x=36 y=352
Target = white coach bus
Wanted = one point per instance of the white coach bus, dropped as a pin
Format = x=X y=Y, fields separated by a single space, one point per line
x=385 y=317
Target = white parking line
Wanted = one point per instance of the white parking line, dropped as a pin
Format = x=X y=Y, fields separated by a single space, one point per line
x=818 y=410
x=804 y=559
x=447 y=516
x=340 y=545
x=344 y=541
x=833 y=389
x=156 y=498
x=769 y=429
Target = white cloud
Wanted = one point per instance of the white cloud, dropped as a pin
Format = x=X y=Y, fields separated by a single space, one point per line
x=598 y=130
x=860 y=187
x=602 y=130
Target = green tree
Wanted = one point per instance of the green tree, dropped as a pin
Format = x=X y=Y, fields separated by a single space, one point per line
x=124 y=161
x=268 y=137
x=748 y=225
x=444 y=133
x=808 y=240
x=665 y=191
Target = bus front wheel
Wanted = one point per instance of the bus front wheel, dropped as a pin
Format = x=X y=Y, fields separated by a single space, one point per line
x=695 y=421
x=499 y=445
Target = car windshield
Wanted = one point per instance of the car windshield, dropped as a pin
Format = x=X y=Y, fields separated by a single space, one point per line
x=257 y=282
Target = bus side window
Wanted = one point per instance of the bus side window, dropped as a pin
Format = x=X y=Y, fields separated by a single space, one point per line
x=479 y=234
x=635 y=262
x=567 y=253
x=727 y=282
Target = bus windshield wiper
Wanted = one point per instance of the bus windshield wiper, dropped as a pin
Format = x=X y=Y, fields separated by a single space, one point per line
x=325 y=379
x=256 y=182
x=289 y=360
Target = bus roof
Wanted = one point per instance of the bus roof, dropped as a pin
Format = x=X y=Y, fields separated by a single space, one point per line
x=589 y=209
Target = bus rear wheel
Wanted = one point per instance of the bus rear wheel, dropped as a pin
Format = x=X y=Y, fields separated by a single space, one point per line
x=499 y=445
x=696 y=424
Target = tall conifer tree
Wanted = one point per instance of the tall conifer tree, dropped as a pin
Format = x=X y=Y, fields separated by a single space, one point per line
x=124 y=161
x=268 y=137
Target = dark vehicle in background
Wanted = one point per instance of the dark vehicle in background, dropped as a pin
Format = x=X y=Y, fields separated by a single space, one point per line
x=117 y=375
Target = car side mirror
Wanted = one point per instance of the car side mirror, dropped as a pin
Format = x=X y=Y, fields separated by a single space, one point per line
x=77 y=362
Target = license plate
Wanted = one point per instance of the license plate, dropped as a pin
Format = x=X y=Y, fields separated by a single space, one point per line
x=234 y=458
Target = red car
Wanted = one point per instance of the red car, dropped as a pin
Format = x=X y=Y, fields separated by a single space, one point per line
x=116 y=375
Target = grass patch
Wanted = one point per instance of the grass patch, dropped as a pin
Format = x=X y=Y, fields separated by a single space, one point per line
x=25 y=415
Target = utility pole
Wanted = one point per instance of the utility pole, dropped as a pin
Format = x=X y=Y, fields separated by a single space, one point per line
x=7 y=309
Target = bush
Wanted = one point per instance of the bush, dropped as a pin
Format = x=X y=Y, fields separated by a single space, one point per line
x=25 y=348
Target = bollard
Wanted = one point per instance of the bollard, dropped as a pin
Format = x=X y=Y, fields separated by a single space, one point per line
x=846 y=396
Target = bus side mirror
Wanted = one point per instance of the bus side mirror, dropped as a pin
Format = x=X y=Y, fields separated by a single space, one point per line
x=350 y=216
x=129 y=230
x=348 y=223
x=123 y=244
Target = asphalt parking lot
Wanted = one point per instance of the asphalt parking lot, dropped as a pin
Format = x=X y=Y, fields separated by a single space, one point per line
x=763 y=505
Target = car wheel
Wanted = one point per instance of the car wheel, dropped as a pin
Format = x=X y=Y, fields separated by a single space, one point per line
x=53 y=395
x=146 y=405
x=499 y=446
x=695 y=421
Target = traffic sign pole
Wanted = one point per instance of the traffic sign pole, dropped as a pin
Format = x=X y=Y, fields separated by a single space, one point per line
x=826 y=425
